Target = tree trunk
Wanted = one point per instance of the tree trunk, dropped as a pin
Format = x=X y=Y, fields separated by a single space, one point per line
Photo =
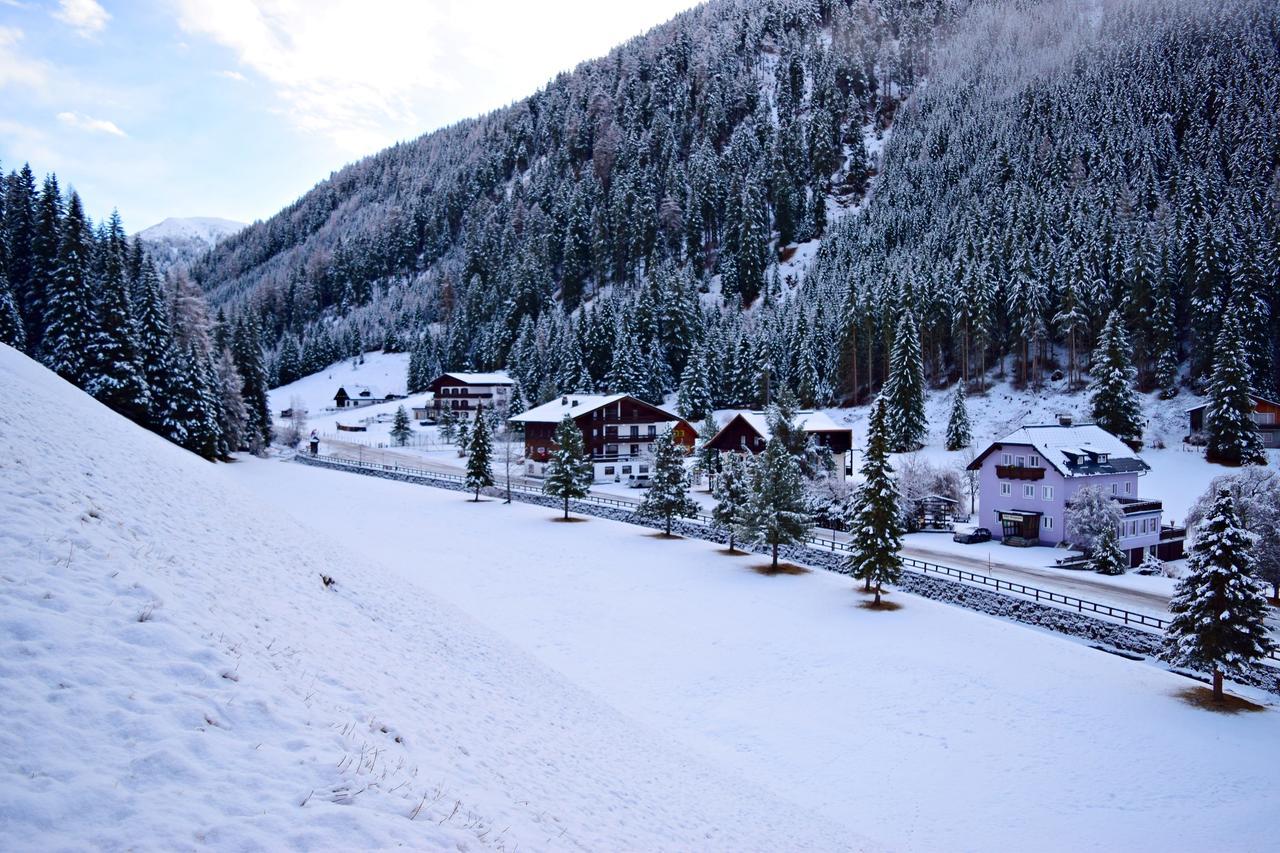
x=566 y=507
x=877 y=601
x=775 y=555
x=866 y=583
x=668 y=525
x=730 y=541
x=1217 y=685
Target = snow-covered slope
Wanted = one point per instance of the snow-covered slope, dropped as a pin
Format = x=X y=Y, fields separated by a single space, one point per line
x=173 y=674
x=177 y=241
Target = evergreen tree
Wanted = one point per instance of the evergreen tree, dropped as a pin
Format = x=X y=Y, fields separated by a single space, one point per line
x=480 y=455
x=1219 y=608
x=516 y=404
x=233 y=415
x=113 y=373
x=569 y=472
x=246 y=348
x=904 y=389
x=708 y=456
x=47 y=244
x=695 y=399
x=1114 y=401
x=776 y=514
x=448 y=425
x=1107 y=558
x=732 y=494
x=875 y=524
x=155 y=353
x=289 y=364
x=73 y=328
x=400 y=429
x=11 y=329
x=464 y=434
x=667 y=497
x=959 y=433
x=1232 y=431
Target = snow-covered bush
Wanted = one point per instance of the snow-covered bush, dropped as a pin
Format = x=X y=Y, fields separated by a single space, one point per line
x=1089 y=514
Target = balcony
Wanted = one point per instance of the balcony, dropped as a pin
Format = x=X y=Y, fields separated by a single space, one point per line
x=1019 y=472
x=1133 y=506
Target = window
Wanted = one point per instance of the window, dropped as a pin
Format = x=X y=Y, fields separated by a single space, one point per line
x=635 y=431
x=1115 y=488
x=1006 y=459
x=653 y=430
x=608 y=470
x=1028 y=491
x=1022 y=461
x=1128 y=488
x=611 y=430
x=644 y=469
x=626 y=469
x=635 y=450
x=1033 y=461
x=1046 y=492
x=611 y=450
x=1047 y=521
x=1006 y=489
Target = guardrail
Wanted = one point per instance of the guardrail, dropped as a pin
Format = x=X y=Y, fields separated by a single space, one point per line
x=1042 y=596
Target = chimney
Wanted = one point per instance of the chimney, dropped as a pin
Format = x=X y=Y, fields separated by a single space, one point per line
x=574 y=403
x=1064 y=420
x=564 y=401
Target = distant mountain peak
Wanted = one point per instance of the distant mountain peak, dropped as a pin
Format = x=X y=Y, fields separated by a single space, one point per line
x=179 y=240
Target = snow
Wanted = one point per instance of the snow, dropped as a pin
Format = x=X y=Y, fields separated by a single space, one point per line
x=553 y=411
x=176 y=676
x=927 y=728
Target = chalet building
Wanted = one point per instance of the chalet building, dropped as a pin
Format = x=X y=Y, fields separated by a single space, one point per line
x=360 y=396
x=1028 y=477
x=463 y=393
x=617 y=432
x=1266 y=414
x=748 y=432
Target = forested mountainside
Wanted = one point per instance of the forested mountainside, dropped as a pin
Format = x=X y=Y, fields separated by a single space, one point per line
x=1046 y=163
x=176 y=241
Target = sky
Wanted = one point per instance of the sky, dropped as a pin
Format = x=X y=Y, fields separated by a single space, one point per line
x=234 y=108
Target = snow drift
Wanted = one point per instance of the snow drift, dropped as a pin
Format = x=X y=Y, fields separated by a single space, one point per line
x=173 y=672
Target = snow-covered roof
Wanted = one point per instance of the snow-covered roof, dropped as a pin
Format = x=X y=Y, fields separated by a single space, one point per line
x=1256 y=400
x=569 y=404
x=481 y=378
x=1059 y=444
x=361 y=391
x=808 y=421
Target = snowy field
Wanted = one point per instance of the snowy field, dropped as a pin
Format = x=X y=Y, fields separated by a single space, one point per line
x=175 y=676
x=927 y=728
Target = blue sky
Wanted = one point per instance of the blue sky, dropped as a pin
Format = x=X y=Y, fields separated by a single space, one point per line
x=234 y=108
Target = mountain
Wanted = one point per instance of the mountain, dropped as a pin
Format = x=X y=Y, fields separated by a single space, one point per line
x=762 y=187
x=177 y=241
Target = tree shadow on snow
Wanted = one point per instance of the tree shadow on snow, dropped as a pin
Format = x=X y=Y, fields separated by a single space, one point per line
x=769 y=570
x=1202 y=697
x=573 y=519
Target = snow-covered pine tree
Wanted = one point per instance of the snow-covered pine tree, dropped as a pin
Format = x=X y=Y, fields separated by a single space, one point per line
x=11 y=328
x=1232 y=431
x=875 y=524
x=289 y=362
x=904 y=389
x=480 y=455
x=959 y=433
x=1219 y=608
x=464 y=434
x=1114 y=402
x=569 y=473
x=1090 y=513
x=69 y=309
x=667 y=497
x=516 y=404
x=448 y=426
x=732 y=492
x=113 y=373
x=1151 y=565
x=695 y=400
x=708 y=456
x=233 y=414
x=1106 y=557
x=776 y=514
x=246 y=347
x=400 y=428
x=626 y=374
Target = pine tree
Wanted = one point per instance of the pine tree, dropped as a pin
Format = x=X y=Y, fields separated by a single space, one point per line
x=569 y=472
x=289 y=364
x=464 y=434
x=1107 y=558
x=400 y=429
x=233 y=415
x=113 y=373
x=708 y=456
x=732 y=494
x=959 y=433
x=72 y=329
x=480 y=455
x=246 y=347
x=695 y=399
x=667 y=497
x=1233 y=433
x=875 y=524
x=11 y=328
x=448 y=426
x=516 y=404
x=1114 y=401
x=776 y=514
x=1219 y=608
x=904 y=389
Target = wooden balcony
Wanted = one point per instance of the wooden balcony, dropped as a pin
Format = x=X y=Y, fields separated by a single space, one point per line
x=1019 y=472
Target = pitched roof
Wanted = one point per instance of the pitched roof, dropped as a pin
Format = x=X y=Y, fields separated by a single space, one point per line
x=1256 y=400
x=569 y=404
x=1058 y=444
x=808 y=421
x=481 y=378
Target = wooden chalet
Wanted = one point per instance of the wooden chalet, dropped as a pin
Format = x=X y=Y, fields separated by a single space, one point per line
x=748 y=432
x=464 y=393
x=618 y=431
x=1266 y=414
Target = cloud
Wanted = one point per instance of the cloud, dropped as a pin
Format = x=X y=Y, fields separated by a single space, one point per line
x=232 y=75
x=15 y=67
x=351 y=72
x=86 y=17
x=93 y=125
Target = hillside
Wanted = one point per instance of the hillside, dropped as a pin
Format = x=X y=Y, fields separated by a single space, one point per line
x=178 y=241
x=1061 y=163
x=176 y=675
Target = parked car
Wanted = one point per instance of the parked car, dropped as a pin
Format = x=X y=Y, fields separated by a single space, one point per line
x=972 y=537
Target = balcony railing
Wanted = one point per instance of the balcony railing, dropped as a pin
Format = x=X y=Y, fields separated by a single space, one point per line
x=1019 y=472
